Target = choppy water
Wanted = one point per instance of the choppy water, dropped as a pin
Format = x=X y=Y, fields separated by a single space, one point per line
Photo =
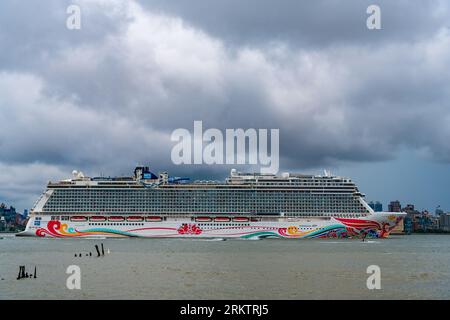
x=412 y=267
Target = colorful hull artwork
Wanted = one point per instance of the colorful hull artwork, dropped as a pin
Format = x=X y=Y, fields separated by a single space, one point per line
x=377 y=225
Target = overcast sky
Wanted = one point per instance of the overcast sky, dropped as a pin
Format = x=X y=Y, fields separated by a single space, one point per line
x=370 y=104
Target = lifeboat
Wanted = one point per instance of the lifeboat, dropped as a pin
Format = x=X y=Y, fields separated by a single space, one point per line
x=135 y=219
x=255 y=219
x=116 y=218
x=240 y=219
x=203 y=219
x=222 y=219
x=153 y=218
x=78 y=218
x=97 y=219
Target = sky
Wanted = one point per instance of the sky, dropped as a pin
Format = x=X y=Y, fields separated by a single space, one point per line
x=373 y=105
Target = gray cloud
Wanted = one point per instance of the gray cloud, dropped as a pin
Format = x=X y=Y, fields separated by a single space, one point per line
x=107 y=97
x=320 y=23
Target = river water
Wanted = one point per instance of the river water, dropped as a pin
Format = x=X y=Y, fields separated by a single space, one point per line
x=412 y=267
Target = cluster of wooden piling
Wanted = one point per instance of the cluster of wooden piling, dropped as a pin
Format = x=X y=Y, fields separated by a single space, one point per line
x=24 y=275
x=99 y=254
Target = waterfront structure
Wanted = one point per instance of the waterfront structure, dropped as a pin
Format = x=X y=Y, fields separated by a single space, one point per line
x=245 y=205
x=410 y=221
x=8 y=213
x=419 y=221
x=10 y=220
x=444 y=222
x=410 y=209
x=407 y=225
x=2 y=223
x=427 y=223
x=395 y=206
x=416 y=221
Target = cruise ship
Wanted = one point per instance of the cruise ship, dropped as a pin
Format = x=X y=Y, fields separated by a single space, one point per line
x=245 y=205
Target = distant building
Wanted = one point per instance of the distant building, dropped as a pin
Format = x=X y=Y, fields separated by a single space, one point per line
x=376 y=206
x=408 y=225
x=444 y=222
x=416 y=221
x=2 y=224
x=425 y=222
x=410 y=209
x=432 y=223
x=8 y=213
x=438 y=211
x=10 y=220
x=410 y=222
x=395 y=206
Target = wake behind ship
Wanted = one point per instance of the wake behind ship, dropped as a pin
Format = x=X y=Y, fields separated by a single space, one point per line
x=244 y=206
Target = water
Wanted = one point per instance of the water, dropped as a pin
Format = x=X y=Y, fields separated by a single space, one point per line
x=412 y=267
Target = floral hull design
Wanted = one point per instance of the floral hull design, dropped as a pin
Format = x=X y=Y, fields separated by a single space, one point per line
x=338 y=228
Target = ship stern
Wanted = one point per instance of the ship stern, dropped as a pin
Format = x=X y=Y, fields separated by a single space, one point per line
x=387 y=221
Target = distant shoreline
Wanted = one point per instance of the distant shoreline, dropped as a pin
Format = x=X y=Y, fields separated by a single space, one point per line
x=429 y=232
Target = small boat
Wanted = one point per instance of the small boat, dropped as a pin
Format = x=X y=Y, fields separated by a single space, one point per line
x=203 y=219
x=78 y=218
x=222 y=219
x=135 y=219
x=240 y=219
x=116 y=218
x=97 y=219
x=153 y=218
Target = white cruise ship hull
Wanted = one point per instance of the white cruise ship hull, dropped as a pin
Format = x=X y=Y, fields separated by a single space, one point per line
x=374 y=225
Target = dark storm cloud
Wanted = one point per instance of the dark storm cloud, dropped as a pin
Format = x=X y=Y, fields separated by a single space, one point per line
x=307 y=23
x=107 y=97
x=33 y=32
